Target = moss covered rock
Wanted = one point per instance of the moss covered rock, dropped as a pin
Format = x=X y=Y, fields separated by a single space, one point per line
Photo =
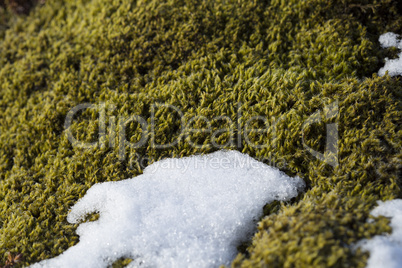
x=217 y=62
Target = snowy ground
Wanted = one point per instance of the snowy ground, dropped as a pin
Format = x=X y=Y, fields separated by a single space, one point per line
x=189 y=212
x=393 y=66
x=386 y=250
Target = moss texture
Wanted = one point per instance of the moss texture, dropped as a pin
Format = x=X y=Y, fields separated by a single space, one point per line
x=276 y=59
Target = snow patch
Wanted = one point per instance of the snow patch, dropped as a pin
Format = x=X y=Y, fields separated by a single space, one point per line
x=394 y=66
x=188 y=212
x=386 y=250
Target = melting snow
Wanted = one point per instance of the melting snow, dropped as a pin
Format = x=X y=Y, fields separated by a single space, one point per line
x=188 y=212
x=386 y=250
x=394 y=66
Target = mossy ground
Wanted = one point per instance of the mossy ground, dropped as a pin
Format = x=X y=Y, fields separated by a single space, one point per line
x=276 y=59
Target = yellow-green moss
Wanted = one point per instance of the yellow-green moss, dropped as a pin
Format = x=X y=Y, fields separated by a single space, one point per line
x=276 y=59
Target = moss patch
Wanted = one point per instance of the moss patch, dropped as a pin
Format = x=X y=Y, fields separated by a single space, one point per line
x=276 y=59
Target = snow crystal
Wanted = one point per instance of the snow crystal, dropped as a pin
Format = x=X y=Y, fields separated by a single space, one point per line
x=393 y=66
x=386 y=250
x=188 y=212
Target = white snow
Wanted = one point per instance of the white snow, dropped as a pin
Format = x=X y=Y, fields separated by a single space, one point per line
x=393 y=66
x=188 y=212
x=386 y=250
x=389 y=40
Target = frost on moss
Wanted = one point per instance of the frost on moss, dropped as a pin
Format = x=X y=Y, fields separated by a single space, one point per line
x=274 y=59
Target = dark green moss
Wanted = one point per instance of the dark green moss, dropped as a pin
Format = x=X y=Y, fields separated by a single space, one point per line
x=283 y=60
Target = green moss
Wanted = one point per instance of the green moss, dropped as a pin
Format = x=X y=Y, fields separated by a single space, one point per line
x=283 y=60
x=121 y=263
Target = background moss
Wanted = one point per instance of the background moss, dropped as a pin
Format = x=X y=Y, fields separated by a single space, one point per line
x=277 y=59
